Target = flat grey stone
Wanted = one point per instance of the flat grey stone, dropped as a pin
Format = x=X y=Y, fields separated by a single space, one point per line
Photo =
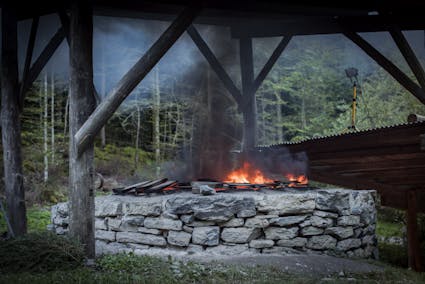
x=261 y=244
x=348 y=244
x=106 y=207
x=228 y=249
x=239 y=235
x=320 y=222
x=208 y=236
x=187 y=218
x=288 y=220
x=311 y=231
x=245 y=213
x=139 y=238
x=114 y=224
x=100 y=224
x=206 y=190
x=105 y=235
x=292 y=203
x=148 y=231
x=280 y=233
x=321 y=242
x=295 y=242
x=350 y=220
x=103 y=247
x=333 y=200
x=235 y=222
x=257 y=222
x=163 y=224
x=201 y=224
x=181 y=239
x=187 y=229
x=144 y=207
x=340 y=232
x=219 y=215
x=325 y=214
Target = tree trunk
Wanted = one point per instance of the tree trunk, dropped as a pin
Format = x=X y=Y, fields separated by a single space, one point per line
x=52 y=118
x=156 y=134
x=279 y=131
x=45 y=126
x=81 y=105
x=136 y=143
x=103 y=94
x=11 y=125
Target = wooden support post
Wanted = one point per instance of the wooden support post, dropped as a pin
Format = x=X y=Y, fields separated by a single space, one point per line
x=249 y=105
x=10 y=123
x=81 y=105
x=392 y=69
x=105 y=110
x=215 y=64
x=409 y=55
x=413 y=247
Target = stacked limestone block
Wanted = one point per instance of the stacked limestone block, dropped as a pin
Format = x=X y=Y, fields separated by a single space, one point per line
x=331 y=221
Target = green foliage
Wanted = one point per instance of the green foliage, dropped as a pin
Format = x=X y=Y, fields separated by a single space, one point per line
x=387 y=229
x=115 y=160
x=39 y=252
x=37 y=218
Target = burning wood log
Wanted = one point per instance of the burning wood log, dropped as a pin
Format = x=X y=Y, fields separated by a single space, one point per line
x=138 y=186
x=159 y=187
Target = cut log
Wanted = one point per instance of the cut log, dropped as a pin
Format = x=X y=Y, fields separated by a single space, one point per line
x=413 y=117
x=414 y=249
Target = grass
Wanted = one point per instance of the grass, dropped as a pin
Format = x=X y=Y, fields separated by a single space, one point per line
x=389 y=229
x=143 y=269
x=37 y=219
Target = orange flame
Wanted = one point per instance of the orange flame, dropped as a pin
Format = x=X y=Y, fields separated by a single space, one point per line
x=297 y=180
x=247 y=174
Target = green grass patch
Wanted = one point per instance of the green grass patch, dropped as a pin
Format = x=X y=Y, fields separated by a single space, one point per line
x=389 y=229
x=37 y=219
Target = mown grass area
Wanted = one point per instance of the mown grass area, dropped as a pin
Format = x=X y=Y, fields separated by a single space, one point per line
x=37 y=217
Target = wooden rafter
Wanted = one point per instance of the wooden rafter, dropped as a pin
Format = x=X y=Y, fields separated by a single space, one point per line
x=45 y=56
x=85 y=136
x=270 y=63
x=215 y=64
x=409 y=55
x=28 y=58
x=390 y=67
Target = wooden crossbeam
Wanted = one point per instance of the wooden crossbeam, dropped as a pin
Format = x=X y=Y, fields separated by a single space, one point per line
x=88 y=131
x=409 y=55
x=28 y=58
x=390 y=67
x=214 y=63
x=270 y=63
x=45 y=56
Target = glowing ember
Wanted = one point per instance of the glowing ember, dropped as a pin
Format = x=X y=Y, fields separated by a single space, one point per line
x=297 y=180
x=247 y=174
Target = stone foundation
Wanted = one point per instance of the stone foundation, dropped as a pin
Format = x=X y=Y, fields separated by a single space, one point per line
x=328 y=221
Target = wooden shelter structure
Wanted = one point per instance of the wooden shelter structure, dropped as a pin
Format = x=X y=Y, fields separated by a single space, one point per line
x=246 y=20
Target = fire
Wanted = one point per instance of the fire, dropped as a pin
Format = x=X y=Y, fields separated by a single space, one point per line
x=247 y=174
x=297 y=180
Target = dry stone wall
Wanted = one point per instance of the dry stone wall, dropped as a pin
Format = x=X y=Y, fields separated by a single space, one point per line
x=327 y=221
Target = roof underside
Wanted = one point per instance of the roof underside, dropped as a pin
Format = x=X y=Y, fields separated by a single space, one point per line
x=263 y=18
x=388 y=159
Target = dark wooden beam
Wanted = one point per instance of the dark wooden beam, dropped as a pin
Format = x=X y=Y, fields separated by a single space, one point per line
x=249 y=104
x=45 y=56
x=28 y=58
x=85 y=136
x=390 y=67
x=215 y=64
x=409 y=55
x=413 y=247
x=270 y=63
x=81 y=105
x=11 y=123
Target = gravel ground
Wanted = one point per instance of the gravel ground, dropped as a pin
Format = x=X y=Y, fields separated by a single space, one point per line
x=301 y=264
